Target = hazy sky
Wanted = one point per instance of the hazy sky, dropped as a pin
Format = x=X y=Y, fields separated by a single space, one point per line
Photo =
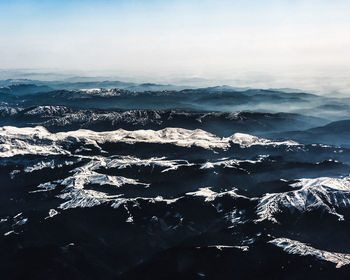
x=285 y=41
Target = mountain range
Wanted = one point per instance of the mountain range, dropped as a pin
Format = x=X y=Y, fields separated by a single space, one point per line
x=116 y=180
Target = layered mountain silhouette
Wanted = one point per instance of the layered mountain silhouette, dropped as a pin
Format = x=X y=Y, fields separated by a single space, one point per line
x=114 y=180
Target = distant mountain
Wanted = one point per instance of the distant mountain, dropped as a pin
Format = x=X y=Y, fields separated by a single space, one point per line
x=24 y=89
x=224 y=88
x=58 y=118
x=77 y=83
x=128 y=96
x=287 y=90
x=189 y=99
x=80 y=92
x=117 y=180
x=9 y=82
x=335 y=133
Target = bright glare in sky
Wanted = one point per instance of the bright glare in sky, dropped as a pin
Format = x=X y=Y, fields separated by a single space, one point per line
x=272 y=43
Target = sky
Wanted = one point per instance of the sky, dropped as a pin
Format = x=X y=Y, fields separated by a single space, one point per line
x=270 y=43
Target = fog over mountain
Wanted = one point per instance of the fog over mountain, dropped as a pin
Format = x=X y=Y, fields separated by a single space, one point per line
x=187 y=139
x=106 y=179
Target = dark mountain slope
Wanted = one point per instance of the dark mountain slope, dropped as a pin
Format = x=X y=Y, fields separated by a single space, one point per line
x=335 y=133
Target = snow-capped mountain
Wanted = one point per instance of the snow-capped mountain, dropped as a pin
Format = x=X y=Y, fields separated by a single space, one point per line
x=100 y=182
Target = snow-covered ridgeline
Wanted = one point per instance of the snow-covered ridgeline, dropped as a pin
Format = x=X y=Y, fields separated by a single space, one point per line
x=102 y=91
x=37 y=140
x=89 y=117
x=119 y=162
x=77 y=194
x=122 y=162
x=247 y=140
x=299 y=248
x=52 y=164
x=231 y=163
x=210 y=195
x=324 y=193
x=48 y=111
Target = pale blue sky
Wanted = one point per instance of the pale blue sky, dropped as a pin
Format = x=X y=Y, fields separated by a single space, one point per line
x=213 y=39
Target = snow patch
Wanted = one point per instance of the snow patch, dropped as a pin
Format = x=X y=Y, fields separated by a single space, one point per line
x=325 y=193
x=299 y=248
x=37 y=140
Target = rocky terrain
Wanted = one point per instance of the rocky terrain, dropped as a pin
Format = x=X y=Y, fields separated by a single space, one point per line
x=133 y=183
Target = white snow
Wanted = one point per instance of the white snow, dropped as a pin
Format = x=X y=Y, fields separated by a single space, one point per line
x=247 y=140
x=210 y=195
x=122 y=162
x=37 y=140
x=323 y=193
x=47 y=164
x=299 y=248
x=52 y=213
x=231 y=163
x=78 y=196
